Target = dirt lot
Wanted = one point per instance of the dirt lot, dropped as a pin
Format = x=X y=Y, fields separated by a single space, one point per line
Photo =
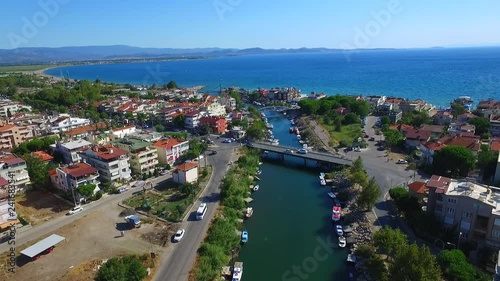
x=88 y=241
x=40 y=206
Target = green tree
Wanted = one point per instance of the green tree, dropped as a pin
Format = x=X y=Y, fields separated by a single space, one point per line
x=457 y=109
x=127 y=268
x=159 y=128
x=172 y=85
x=412 y=263
x=86 y=190
x=487 y=161
x=393 y=137
x=351 y=118
x=179 y=121
x=372 y=262
x=416 y=118
x=188 y=189
x=455 y=266
x=482 y=125
x=369 y=195
x=385 y=120
x=38 y=171
x=453 y=161
x=390 y=241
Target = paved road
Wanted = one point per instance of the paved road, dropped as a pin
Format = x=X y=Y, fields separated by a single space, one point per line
x=178 y=259
x=50 y=226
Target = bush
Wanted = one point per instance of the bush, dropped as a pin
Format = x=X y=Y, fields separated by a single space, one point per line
x=118 y=269
x=22 y=220
x=98 y=195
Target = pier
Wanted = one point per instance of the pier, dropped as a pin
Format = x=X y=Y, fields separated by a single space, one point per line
x=310 y=155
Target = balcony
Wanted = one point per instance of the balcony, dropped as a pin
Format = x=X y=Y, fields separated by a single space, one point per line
x=87 y=179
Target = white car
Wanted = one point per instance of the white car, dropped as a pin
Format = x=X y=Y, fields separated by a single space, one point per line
x=75 y=210
x=302 y=151
x=402 y=161
x=179 y=234
x=226 y=141
x=338 y=229
x=289 y=151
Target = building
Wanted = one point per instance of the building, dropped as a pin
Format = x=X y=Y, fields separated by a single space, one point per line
x=395 y=116
x=186 y=173
x=430 y=148
x=217 y=124
x=414 y=137
x=228 y=102
x=9 y=108
x=192 y=120
x=65 y=123
x=42 y=155
x=111 y=162
x=85 y=131
x=473 y=208
x=170 y=149
x=8 y=215
x=416 y=105
x=143 y=156
x=418 y=189
x=442 y=117
x=496 y=180
x=15 y=169
x=495 y=125
x=124 y=131
x=488 y=108
x=12 y=136
x=70 y=151
x=212 y=106
x=72 y=176
x=375 y=101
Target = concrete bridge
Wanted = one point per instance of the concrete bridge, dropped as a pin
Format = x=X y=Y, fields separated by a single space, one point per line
x=310 y=155
x=279 y=108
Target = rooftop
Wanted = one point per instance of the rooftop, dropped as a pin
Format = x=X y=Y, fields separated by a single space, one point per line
x=133 y=143
x=440 y=183
x=417 y=187
x=42 y=155
x=485 y=194
x=169 y=143
x=187 y=166
x=76 y=144
x=10 y=159
x=108 y=151
x=79 y=169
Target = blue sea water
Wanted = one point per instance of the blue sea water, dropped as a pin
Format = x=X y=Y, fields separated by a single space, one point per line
x=435 y=75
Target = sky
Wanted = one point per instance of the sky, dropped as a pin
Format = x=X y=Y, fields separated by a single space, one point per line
x=250 y=23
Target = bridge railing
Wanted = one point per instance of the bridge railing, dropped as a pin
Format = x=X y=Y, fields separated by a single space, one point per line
x=338 y=156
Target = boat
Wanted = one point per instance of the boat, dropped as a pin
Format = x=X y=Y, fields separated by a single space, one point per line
x=244 y=236
x=255 y=188
x=291 y=130
x=269 y=126
x=260 y=163
x=321 y=175
x=301 y=141
x=336 y=213
x=322 y=182
x=237 y=271
x=275 y=142
x=332 y=195
x=351 y=258
x=258 y=172
x=299 y=137
x=249 y=212
x=342 y=242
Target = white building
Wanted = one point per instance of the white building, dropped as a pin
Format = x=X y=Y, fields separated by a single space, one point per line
x=70 y=151
x=143 y=157
x=169 y=150
x=125 y=131
x=14 y=168
x=192 y=120
x=186 y=173
x=74 y=175
x=111 y=162
x=11 y=107
x=64 y=123
x=497 y=172
x=228 y=102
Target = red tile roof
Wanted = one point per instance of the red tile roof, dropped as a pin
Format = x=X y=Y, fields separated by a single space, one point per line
x=471 y=142
x=168 y=143
x=42 y=155
x=108 y=151
x=3 y=182
x=11 y=159
x=85 y=129
x=79 y=169
x=495 y=146
x=417 y=187
x=440 y=183
x=6 y=127
x=187 y=166
x=422 y=135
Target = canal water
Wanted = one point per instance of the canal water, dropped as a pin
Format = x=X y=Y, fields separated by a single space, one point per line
x=291 y=235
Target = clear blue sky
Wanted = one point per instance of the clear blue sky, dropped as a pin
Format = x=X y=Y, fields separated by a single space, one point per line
x=250 y=23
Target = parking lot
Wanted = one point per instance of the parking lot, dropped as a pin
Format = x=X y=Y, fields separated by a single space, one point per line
x=89 y=240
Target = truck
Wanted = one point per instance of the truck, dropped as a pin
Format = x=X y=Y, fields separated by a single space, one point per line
x=133 y=220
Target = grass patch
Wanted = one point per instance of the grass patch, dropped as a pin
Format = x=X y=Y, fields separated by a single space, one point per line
x=18 y=68
x=349 y=133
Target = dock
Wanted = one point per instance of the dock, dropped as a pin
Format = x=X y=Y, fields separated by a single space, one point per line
x=248 y=200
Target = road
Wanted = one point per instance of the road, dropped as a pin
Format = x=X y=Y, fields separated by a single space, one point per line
x=178 y=260
x=52 y=225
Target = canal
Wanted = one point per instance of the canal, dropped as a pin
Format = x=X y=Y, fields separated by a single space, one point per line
x=291 y=236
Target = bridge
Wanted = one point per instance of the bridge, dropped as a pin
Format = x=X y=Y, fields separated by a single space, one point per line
x=279 y=108
x=310 y=155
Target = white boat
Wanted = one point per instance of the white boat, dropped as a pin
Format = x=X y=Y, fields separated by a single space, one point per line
x=332 y=195
x=342 y=242
x=258 y=172
x=275 y=142
x=260 y=163
x=255 y=188
x=351 y=258
x=321 y=175
x=237 y=271
x=249 y=212
x=269 y=126
x=299 y=137
x=322 y=182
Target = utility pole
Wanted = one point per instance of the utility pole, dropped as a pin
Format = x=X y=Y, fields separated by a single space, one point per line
x=74 y=199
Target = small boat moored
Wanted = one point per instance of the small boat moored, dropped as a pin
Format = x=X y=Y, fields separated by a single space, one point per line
x=244 y=236
x=332 y=195
x=342 y=242
x=255 y=188
x=258 y=172
x=237 y=271
x=249 y=212
x=322 y=182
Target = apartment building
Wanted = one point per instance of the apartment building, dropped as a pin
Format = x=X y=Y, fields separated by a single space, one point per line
x=111 y=162
x=70 y=151
x=74 y=175
x=143 y=156
x=65 y=123
x=473 y=208
x=192 y=120
x=495 y=125
x=9 y=108
x=217 y=124
x=170 y=149
x=13 y=135
x=14 y=168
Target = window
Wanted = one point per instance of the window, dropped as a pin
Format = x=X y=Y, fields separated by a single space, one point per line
x=452 y=200
x=497 y=222
x=469 y=215
x=450 y=211
x=495 y=233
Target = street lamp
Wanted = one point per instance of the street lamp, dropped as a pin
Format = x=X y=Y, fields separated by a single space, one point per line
x=459 y=236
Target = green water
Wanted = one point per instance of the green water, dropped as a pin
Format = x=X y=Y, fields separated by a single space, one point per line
x=291 y=225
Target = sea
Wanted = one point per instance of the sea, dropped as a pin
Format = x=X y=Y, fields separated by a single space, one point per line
x=437 y=75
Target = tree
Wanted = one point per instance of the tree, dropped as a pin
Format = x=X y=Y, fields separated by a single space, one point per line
x=369 y=195
x=412 y=263
x=453 y=161
x=390 y=241
x=188 y=189
x=482 y=125
x=172 y=85
x=457 y=109
x=86 y=190
x=416 y=118
x=350 y=118
x=127 y=268
x=455 y=265
x=487 y=161
x=38 y=171
x=159 y=128
x=385 y=120
x=393 y=137
x=179 y=120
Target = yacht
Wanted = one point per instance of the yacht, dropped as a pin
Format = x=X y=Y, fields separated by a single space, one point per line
x=255 y=188
x=322 y=181
x=299 y=137
x=332 y=195
x=249 y=212
x=342 y=242
x=237 y=271
x=269 y=126
x=336 y=213
x=258 y=172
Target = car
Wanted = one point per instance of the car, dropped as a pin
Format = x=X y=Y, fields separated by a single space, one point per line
x=226 y=141
x=164 y=172
x=338 y=229
x=381 y=148
x=357 y=149
x=123 y=189
x=342 y=242
x=233 y=139
x=179 y=234
x=302 y=151
x=402 y=161
x=213 y=152
x=75 y=210
x=371 y=139
x=366 y=136
x=289 y=151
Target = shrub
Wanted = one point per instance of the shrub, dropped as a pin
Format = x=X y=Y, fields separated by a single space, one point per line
x=98 y=195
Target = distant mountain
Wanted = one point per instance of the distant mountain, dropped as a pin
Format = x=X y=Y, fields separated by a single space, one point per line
x=121 y=52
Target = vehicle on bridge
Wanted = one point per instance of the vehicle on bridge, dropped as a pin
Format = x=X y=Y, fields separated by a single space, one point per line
x=302 y=151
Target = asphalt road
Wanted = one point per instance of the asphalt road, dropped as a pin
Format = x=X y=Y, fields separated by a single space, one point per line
x=178 y=259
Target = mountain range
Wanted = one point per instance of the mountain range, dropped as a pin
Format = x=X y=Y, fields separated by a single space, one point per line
x=39 y=55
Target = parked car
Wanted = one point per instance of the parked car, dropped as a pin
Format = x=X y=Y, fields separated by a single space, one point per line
x=402 y=161
x=213 y=152
x=75 y=210
x=226 y=141
x=357 y=149
x=123 y=189
x=371 y=139
x=179 y=234
x=302 y=151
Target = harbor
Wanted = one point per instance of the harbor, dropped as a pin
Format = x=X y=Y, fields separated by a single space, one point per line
x=291 y=227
